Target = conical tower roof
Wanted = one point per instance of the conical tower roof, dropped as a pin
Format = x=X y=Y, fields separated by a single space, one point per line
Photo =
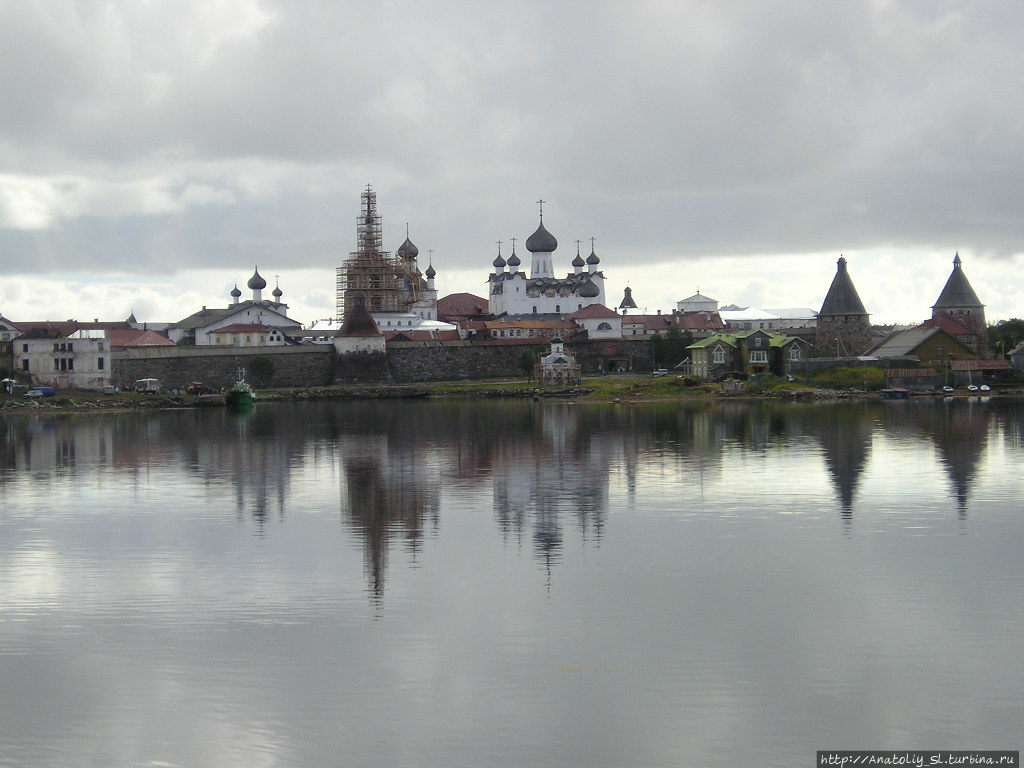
x=627 y=299
x=958 y=291
x=842 y=298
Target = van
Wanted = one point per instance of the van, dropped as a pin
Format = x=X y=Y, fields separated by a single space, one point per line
x=147 y=385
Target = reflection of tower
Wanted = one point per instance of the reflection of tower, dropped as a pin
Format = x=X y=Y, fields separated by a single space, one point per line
x=959 y=431
x=389 y=497
x=556 y=470
x=845 y=435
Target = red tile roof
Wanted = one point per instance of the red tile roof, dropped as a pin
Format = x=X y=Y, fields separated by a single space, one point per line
x=147 y=339
x=593 y=311
x=980 y=365
x=462 y=305
x=947 y=324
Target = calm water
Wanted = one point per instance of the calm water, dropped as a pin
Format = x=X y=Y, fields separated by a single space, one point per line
x=509 y=584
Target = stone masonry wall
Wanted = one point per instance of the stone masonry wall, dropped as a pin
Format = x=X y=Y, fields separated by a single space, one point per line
x=437 y=361
x=404 y=362
x=175 y=367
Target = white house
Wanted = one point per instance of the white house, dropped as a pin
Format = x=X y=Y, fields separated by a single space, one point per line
x=697 y=303
x=598 y=321
x=247 y=335
x=80 y=361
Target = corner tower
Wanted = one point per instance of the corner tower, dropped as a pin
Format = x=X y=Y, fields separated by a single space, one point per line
x=960 y=303
x=844 y=328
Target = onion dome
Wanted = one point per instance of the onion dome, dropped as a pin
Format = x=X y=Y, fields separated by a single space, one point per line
x=578 y=261
x=541 y=241
x=556 y=340
x=589 y=290
x=277 y=292
x=431 y=272
x=408 y=250
x=513 y=260
x=235 y=292
x=592 y=258
x=256 y=283
x=498 y=261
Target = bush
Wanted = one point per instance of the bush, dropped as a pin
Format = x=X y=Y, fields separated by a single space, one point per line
x=850 y=378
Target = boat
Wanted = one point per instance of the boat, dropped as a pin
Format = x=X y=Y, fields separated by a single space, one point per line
x=894 y=393
x=241 y=394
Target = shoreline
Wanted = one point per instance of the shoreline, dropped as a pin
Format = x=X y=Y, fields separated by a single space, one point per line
x=600 y=390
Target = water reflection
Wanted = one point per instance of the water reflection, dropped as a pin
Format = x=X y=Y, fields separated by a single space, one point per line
x=544 y=466
x=584 y=585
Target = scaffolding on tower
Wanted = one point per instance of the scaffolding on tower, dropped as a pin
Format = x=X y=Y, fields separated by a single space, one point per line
x=384 y=280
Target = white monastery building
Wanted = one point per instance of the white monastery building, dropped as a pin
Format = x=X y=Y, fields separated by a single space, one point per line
x=512 y=292
x=256 y=322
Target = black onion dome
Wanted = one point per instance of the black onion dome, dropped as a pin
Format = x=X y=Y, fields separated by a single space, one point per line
x=235 y=292
x=541 y=241
x=277 y=291
x=513 y=260
x=556 y=340
x=431 y=271
x=498 y=261
x=578 y=261
x=408 y=249
x=589 y=290
x=256 y=282
x=592 y=258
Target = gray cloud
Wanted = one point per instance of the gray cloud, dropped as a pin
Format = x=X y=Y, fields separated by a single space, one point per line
x=163 y=136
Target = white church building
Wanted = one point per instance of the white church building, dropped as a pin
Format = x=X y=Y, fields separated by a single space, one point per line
x=513 y=292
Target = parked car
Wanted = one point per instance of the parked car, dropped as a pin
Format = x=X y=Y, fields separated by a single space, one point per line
x=40 y=392
x=660 y=372
x=110 y=389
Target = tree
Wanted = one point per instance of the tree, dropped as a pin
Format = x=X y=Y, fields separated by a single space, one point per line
x=1005 y=335
x=669 y=350
x=260 y=370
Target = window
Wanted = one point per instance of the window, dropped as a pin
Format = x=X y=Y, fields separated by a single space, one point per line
x=535 y=310
x=758 y=341
x=794 y=352
x=99 y=363
x=24 y=348
x=24 y=364
x=604 y=326
x=71 y=363
x=759 y=357
x=719 y=356
x=56 y=364
x=558 y=307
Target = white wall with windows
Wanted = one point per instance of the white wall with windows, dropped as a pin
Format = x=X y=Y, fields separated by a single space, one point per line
x=66 y=363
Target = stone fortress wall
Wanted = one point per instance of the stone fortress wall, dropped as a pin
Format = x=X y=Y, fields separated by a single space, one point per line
x=404 y=362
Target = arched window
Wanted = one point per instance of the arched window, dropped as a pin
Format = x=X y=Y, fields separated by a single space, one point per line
x=535 y=309
x=604 y=326
x=794 y=352
x=719 y=356
x=558 y=307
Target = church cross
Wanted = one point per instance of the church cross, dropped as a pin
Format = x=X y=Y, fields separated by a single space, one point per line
x=541 y=204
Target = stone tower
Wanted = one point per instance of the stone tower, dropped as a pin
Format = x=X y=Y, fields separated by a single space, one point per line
x=843 y=328
x=960 y=303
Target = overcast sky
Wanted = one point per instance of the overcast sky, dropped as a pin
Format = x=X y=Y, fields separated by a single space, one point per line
x=152 y=152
